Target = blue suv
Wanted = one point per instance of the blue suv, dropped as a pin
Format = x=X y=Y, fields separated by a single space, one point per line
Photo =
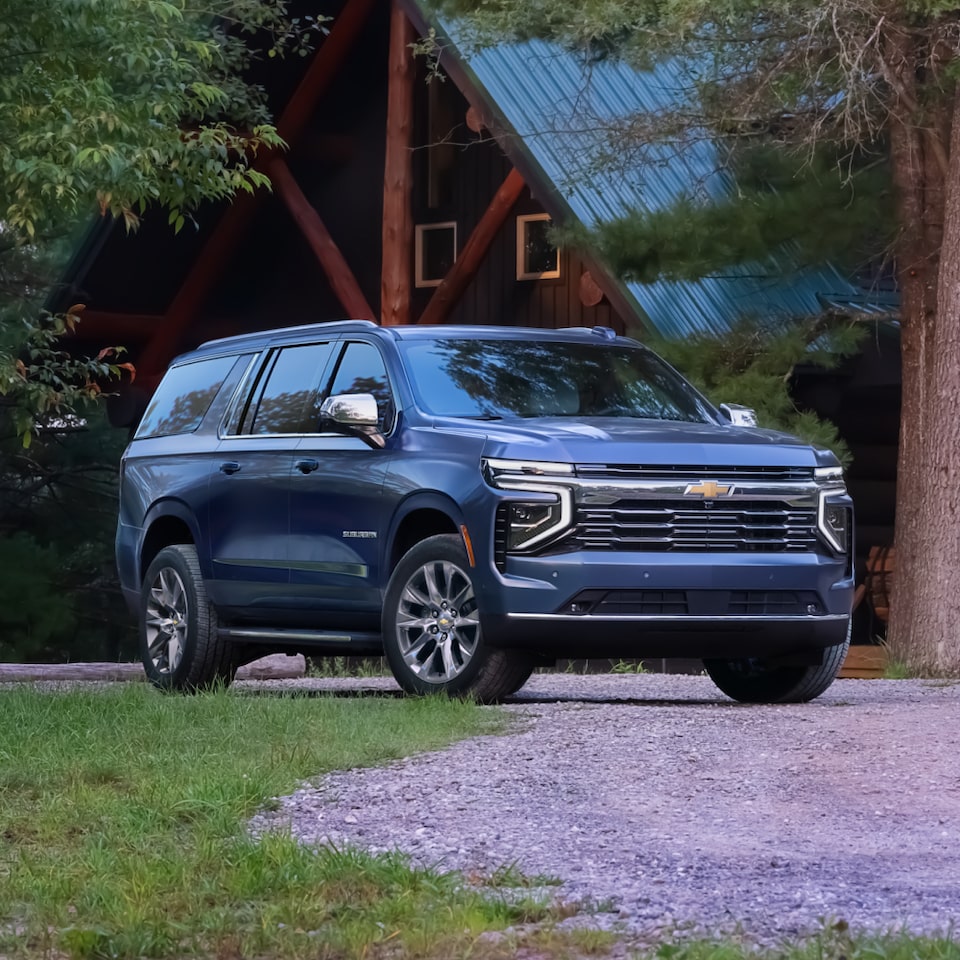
x=473 y=502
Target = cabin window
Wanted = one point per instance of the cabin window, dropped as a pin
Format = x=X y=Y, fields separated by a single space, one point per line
x=537 y=257
x=436 y=252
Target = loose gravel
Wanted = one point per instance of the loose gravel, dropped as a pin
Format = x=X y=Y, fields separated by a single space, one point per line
x=665 y=806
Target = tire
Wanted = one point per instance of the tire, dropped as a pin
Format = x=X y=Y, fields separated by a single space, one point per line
x=756 y=681
x=431 y=628
x=179 y=641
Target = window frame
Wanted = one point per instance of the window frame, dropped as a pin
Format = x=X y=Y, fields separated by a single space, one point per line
x=334 y=369
x=421 y=228
x=255 y=380
x=522 y=272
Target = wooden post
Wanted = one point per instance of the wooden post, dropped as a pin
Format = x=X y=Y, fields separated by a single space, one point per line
x=336 y=268
x=474 y=250
x=232 y=226
x=395 y=282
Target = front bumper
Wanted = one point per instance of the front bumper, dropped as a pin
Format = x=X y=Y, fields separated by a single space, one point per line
x=588 y=604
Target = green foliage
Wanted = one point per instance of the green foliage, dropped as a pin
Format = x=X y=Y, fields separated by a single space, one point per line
x=753 y=363
x=117 y=104
x=771 y=208
x=39 y=381
x=33 y=611
x=112 y=107
x=59 y=598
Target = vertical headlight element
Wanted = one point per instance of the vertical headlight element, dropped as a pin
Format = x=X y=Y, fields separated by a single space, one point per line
x=833 y=520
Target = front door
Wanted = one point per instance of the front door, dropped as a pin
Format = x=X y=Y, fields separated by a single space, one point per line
x=338 y=517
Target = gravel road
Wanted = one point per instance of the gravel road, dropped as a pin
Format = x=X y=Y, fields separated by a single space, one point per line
x=671 y=806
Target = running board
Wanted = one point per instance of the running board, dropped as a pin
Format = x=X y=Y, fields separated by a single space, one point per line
x=292 y=636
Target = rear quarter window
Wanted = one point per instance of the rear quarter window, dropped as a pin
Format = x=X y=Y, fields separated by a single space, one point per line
x=184 y=396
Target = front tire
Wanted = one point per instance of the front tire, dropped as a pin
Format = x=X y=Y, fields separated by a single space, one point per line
x=753 y=680
x=179 y=631
x=432 y=636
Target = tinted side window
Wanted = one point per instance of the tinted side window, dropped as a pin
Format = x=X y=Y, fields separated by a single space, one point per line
x=361 y=370
x=184 y=396
x=290 y=388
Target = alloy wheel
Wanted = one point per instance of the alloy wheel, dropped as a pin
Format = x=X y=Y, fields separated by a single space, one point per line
x=438 y=625
x=166 y=621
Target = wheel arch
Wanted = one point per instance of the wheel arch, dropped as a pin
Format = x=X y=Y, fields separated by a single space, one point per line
x=421 y=516
x=167 y=523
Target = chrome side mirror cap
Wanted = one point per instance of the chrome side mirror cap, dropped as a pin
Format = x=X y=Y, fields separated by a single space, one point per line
x=351 y=410
x=355 y=413
x=738 y=415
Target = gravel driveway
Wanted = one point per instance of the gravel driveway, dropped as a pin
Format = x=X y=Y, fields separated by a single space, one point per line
x=669 y=805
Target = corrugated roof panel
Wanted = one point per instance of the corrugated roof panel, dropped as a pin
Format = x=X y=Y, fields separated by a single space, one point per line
x=557 y=104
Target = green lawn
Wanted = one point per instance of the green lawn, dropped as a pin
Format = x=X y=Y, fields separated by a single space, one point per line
x=122 y=828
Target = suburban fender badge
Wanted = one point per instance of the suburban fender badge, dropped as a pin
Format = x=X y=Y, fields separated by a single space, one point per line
x=708 y=489
x=359 y=534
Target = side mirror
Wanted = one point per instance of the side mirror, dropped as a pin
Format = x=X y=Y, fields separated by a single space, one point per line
x=351 y=410
x=357 y=413
x=739 y=416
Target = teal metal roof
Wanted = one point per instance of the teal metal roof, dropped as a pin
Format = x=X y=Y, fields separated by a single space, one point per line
x=554 y=103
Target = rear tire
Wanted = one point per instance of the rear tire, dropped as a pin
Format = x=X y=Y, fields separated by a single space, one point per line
x=431 y=628
x=753 y=680
x=180 y=643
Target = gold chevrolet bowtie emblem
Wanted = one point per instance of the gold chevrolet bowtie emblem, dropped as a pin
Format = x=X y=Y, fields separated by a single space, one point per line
x=709 y=489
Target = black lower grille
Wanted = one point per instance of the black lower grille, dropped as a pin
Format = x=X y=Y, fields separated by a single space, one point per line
x=663 y=525
x=695 y=603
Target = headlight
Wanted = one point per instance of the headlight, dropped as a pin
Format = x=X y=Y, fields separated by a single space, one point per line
x=833 y=521
x=532 y=521
x=829 y=473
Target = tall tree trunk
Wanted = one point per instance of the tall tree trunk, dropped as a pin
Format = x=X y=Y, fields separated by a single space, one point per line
x=924 y=631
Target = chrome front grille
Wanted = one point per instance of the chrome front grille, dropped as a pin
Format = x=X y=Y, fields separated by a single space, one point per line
x=696 y=525
x=601 y=471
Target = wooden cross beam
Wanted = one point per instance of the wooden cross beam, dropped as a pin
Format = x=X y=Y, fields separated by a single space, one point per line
x=474 y=250
x=337 y=270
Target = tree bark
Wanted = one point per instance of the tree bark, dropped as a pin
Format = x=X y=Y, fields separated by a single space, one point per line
x=925 y=609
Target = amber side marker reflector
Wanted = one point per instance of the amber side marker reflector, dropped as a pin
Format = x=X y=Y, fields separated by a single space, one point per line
x=467 y=543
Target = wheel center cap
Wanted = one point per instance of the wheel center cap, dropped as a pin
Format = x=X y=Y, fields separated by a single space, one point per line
x=444 y=622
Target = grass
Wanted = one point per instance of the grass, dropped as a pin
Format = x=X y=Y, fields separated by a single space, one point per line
x=123 y=835
x=123 y=829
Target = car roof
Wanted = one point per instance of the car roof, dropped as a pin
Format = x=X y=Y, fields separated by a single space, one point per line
x=262 y=338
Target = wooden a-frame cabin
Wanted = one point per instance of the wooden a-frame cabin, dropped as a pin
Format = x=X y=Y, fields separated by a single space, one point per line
x=406 y=201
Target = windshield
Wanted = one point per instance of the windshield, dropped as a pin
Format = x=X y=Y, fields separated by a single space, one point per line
x=490 y=379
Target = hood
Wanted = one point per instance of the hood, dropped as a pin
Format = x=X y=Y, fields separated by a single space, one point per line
x=609 y=440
